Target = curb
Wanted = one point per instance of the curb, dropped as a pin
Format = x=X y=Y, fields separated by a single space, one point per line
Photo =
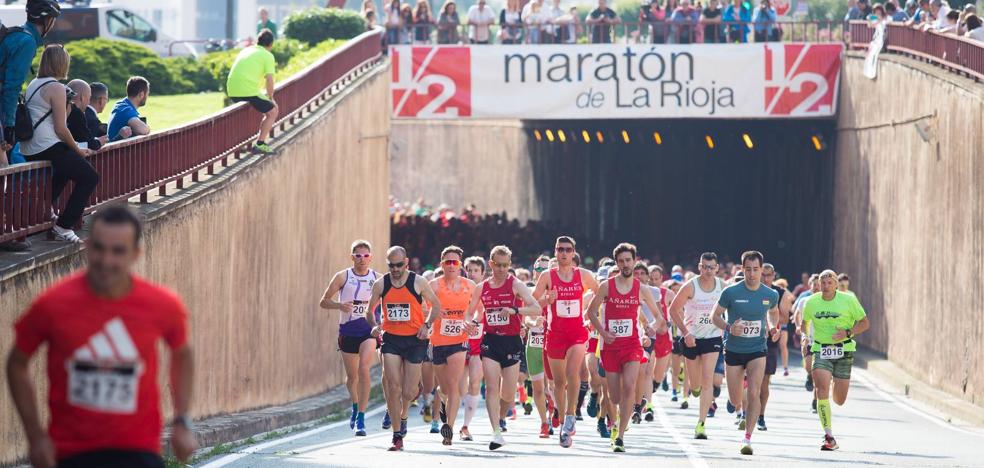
x=215 y=434
x=955 y=410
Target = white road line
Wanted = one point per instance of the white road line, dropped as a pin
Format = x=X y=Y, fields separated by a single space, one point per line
x=692 y=454
x=868 y=381
x=273 y=443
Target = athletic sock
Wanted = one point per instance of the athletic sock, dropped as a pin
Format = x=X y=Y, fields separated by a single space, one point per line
x=823 y=410
x=469 y=407
x=522 y=394
x=581 y=392
x=355 y=407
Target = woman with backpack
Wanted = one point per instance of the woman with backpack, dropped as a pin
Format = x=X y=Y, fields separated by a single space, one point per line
x=47 y=106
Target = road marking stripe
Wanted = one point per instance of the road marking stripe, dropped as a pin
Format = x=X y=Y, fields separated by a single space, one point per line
x=692 y=454
x=273 y=443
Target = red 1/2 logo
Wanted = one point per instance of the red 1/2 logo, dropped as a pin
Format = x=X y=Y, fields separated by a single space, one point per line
x=802 y=79
x=431 y=82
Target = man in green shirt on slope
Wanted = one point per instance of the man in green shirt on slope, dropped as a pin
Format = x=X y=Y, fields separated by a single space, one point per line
x=837 y=317
x=253 y=69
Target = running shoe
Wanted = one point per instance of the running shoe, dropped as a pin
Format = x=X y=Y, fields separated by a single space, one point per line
x=435 y=429
x=618 y=446
x=649 y=415
x=603 y=430
x=699 y=432
x=814 y=406
x=695 y=392
x=731 y=407
x=829 y=444
x=265 y=149
x=446 y=433
x=746 y=448
x=555 y=419
x=527 y=408
x=684 y=405
x=403 y=428
x=572 y=427
x=502 y=425
x=497 y=441
x=614 y=436
x=593 y=405
x=397 y=443
x=785 y=372
x=674 y=398
x=577 y=415
x=510 y=412
x=717 y=391
x=666 y=384
x=565 y=440
x=809 y=384
x=636 y=417
x=741 y=424
x=360 y=426
x=544 y=431
x=426 y=412
x=444 y=413
x=713 y=409
x=761 y=423
x=387 y=422
x=352 y=419
x=464 y=435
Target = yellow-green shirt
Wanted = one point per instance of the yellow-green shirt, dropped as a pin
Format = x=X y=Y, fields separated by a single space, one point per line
x=247 y=77
x=827 y=317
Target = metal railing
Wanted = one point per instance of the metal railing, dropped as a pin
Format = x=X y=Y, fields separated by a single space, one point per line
x=659 y=32
x=139 y=165
x=957 y=54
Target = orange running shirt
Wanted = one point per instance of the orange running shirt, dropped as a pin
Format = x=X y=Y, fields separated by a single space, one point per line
x=449 y=328
x=402 y=308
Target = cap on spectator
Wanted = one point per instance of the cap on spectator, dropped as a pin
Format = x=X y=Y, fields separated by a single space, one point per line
x=910 y=3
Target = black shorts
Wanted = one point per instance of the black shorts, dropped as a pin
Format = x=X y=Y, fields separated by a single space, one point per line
x=351 y=344
x=678 y=346
x=258 y=103
x=523 y=369
x=703 y=346
x=771 y=359
x=410 y=348
x=506 y=350
x=649 y=349
x=440 y=354
x=113 y=459
x=732 y=358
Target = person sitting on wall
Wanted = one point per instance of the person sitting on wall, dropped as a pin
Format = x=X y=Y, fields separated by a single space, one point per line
x=253 y=68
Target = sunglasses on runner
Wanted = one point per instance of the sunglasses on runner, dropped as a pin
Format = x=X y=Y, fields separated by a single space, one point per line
x=360 y=256
x=453 y=263
x=539 y=269
x=565 y=249
x=396 y=265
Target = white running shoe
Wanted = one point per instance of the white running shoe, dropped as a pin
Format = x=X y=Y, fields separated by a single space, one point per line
x=65 y=235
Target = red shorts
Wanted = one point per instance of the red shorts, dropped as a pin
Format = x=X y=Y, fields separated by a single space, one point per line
x=612 y=360
x=558 y=343
x=592 y=345
x=663 y=345
x=474 y=347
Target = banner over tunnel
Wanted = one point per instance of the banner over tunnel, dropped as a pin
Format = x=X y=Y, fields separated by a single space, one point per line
x=616 y=81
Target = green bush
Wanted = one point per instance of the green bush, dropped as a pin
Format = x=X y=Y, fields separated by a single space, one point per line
x=315 y=25
x=310 y=55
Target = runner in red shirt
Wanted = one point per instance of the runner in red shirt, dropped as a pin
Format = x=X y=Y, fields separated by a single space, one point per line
x=503 y=297
x=621 y=350
x=102 y=327
x=475 y=268
x=565 y=287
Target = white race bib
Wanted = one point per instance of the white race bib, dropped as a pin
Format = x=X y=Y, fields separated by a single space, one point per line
x=536 y=340
x=452 y=327
x=621 y=328
x=568 y=308
x=831 y=352
x=750 y=328
x=704 y=319
x=496 y=317
x=479 y=329
x=105 y=389
x=398 y=312
x=359 y=309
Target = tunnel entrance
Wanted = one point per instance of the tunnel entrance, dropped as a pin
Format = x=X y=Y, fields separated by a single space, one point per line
x=677 y=188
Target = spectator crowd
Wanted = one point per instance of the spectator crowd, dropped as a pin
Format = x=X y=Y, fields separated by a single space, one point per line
x=926 y=15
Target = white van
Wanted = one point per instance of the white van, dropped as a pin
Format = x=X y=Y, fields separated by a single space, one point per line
x=100 y=20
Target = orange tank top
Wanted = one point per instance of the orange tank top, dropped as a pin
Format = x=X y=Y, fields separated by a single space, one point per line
x=402 y=308
x=449 y=328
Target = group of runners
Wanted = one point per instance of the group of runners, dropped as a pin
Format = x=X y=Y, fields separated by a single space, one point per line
x=560 y=334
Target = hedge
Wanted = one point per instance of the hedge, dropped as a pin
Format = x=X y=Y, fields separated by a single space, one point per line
x=316 y=25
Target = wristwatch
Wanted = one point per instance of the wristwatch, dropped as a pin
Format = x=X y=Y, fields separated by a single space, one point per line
x=850 y=333
x=183 y=421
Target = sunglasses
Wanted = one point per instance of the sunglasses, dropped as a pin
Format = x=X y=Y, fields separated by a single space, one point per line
x=396 y=265
x=360 y=256
x=565 y=249
x=539 y=269
x=453 y=263
x=502 y=265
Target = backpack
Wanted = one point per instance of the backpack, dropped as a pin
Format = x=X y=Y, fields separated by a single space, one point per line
x=23 y=126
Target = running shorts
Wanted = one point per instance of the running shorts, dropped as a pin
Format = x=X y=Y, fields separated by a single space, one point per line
x=522 y=360
x=108 y=458
x=592 y=345
x=839 y=368
x=261 y=105
x=410 y=348
x=351 y=344
x=732 y=358
x=442 y=353
x=703 y=346
x=612 y=359
x=506 y=350
x=663 y=345
x=534 y=361
x=557 y=344
x=771 y=359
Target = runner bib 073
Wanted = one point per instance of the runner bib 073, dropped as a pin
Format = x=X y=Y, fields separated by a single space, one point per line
x=398 y=312
x=750 y=327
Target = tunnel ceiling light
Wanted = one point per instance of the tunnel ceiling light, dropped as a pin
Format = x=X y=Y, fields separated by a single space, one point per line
x=550 y=136
x=657 y=138
x=818 y=142
x=601 y=138
x=710 y=141
x=536 y=133
x=748 y=140
x=625 y=136
x=586 y=136
x=562 y=136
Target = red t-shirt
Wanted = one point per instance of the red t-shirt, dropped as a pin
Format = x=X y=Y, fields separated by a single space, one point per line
x=498 y=322
x=102 y=362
